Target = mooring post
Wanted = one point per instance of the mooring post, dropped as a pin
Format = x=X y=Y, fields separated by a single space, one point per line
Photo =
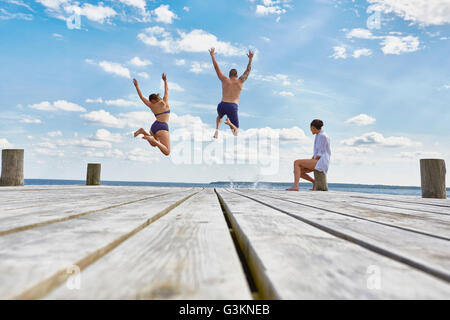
x=432 y=176
x=93 y=174
x=321 y=181
x=12 y=167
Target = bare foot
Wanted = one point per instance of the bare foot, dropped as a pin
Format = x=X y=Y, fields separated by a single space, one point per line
x=292 y=189
x=216 y=134
x=151 y=140
x=313 y=188
x=138 y=132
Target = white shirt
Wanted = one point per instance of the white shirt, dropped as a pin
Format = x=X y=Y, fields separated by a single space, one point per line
x=322 y=149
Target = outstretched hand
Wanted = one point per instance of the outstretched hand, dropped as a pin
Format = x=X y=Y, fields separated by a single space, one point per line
x=212 y=52
x=135 y=83
x=164 y=77
x=250 y=54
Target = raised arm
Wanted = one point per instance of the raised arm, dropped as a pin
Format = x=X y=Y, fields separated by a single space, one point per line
x=249 y=66
x=144 y=100
x=166 y=89
x=216 y=66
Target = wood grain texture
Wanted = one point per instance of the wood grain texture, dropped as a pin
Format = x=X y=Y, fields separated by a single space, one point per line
x=428 y=254
x=34 y=256
x=432 y=225
x=12 y=167
x=321 y=181
x=293 y=260
x=432 y=177
x=93 y=175
x=187 y=254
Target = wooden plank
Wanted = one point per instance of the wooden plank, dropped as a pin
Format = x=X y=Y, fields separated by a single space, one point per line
x=425 y=253
x=434 y=225
x=35 y=216
x=187 y=254
x=32 y=258
x=293 y=260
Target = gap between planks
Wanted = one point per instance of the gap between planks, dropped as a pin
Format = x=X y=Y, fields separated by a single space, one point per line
x=389 y=254
x=48 y=222
x=361 y=218
x=44 y=287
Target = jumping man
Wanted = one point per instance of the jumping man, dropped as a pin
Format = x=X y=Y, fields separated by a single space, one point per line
x=231 y=91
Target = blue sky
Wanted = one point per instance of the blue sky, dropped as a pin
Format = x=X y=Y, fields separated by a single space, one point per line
x=382 y=88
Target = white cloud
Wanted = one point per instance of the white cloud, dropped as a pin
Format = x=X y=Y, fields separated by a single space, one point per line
x=98 y=13
x=172 y=86
x=52 y=4
x=264 y=11
x=5 y=15
x=285 y=94
x=361 y=120
x=112 y=67
x=105 y=135
x=122 y=103
x=423 y=12
x=399 y=45
x=266 y=39
x=164 y=15
x=195 y=41
x=139 y=154
x=87 y=143
x=4 y=144
x=103 y=118
x=279 y=78
x=187 y=9
x=377 y=139
x=360 y=34
x=416 y=155
x=29 y=120
x=199 y=67
x=136 y=61
x=143 y=75
x=339 y=53
x=180 y=62
x=57 y=105
x=55 y=134
x=98 y=100
x=361 y=52
x=140 y=4
x=49 y=152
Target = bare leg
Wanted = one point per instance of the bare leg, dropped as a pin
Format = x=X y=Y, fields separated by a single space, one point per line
x=141 y=131
x=301 y=167
x=218 y=121
x=297 y=175
x=308 y=178
x=162 y=141
x=233 y=128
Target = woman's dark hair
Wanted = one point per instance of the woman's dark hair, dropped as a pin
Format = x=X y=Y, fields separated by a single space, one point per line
x=318 y=124
x=154 y=96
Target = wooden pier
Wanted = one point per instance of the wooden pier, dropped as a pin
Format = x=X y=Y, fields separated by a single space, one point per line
x=103 y=242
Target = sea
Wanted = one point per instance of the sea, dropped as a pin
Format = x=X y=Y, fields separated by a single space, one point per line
x=364 y=188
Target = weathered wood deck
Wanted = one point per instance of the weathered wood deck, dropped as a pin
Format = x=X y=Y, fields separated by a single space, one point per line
x=179 y=243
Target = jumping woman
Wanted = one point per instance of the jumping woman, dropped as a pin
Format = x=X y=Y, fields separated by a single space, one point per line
x=159 y=132
x=320 y=160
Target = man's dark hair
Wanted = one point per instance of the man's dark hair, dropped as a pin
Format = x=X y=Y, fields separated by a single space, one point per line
x=318 y=124
x=154 y=96
x=233 y=73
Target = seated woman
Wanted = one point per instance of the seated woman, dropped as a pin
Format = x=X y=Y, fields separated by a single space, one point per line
x=319 y=161
x=159 y=132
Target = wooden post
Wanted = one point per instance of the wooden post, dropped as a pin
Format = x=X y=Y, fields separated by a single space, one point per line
x=93 y=174
x=432 y=175
x=12 y=167
x=321 y=181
